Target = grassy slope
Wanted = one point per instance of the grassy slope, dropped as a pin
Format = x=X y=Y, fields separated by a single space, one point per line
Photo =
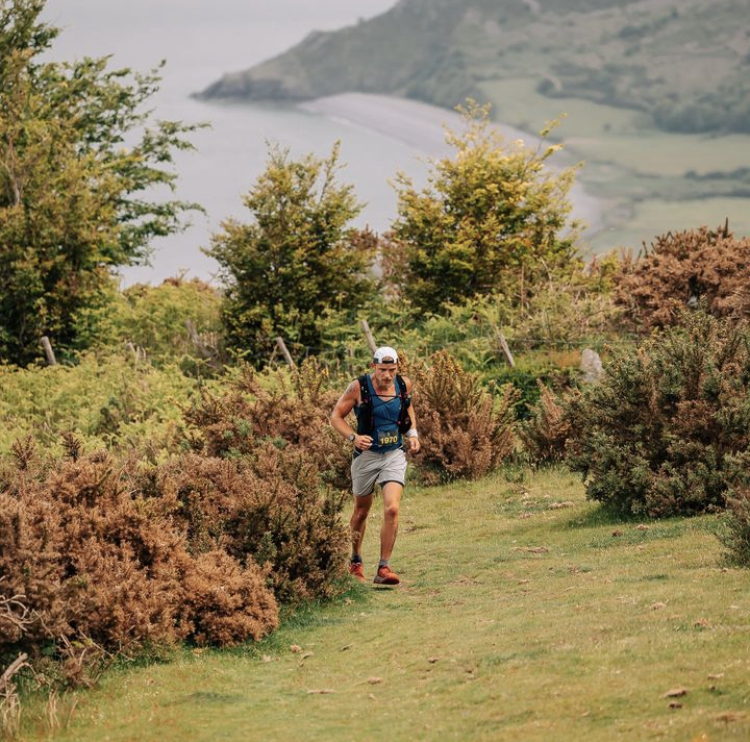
x=524 y=614
x=646 y=55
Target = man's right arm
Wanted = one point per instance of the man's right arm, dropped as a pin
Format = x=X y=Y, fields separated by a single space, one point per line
x=343 y=408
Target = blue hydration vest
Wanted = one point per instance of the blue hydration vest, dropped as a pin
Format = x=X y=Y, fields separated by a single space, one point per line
x=382 y=418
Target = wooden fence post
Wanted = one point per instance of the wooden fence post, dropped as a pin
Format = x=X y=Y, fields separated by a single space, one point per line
x=282 y=347
x=369 y=337
x=504 y=347
x=48 y=352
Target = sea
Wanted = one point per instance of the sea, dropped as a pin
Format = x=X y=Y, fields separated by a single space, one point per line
x=200 y=40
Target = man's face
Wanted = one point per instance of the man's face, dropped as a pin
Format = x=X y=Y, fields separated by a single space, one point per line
x=384 y=373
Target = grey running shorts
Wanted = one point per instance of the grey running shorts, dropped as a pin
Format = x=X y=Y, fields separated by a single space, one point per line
x=370 y=468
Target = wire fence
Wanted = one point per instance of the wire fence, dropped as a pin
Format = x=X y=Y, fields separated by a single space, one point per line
x=488 y=348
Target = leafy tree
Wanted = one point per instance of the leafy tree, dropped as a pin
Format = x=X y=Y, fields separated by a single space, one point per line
x=297 y=257
x=491 y=220
x=77 y=155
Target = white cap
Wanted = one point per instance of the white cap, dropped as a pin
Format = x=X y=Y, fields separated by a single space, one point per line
x=385 y=355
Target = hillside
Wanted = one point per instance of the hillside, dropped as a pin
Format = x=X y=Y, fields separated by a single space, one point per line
x=686 y=65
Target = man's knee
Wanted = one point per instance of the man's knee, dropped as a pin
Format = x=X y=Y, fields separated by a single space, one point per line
x=391 y=511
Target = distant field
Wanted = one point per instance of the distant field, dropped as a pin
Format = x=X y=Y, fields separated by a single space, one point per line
x=517 y=102
x=653 y=218
x=640 y=169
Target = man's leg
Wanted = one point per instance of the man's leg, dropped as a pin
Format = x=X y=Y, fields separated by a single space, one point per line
x=358 y=522
x=391 y=503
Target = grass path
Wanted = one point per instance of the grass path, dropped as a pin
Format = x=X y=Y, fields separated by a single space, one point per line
x=524 y=614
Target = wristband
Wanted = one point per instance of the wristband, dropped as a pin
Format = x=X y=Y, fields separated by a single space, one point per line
x=412 y=433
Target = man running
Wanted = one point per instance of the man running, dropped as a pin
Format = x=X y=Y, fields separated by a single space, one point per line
x=386 y=424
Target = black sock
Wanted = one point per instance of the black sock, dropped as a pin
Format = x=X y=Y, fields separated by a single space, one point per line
x=356 y=559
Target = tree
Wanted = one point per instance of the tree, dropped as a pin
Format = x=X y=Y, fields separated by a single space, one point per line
x=492 y=219
x=77 y=155
x=297 y=257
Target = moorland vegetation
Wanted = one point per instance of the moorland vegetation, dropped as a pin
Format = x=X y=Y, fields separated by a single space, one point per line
x=170 y=478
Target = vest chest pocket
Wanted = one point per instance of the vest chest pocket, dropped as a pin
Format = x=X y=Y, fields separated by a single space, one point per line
x=387 y=437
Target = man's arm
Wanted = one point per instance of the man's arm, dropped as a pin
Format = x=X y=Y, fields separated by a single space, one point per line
x=341 y=411
x=412 y=435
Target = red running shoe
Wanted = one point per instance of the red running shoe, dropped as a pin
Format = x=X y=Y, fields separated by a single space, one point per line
x=357 y=571
x=386 y=576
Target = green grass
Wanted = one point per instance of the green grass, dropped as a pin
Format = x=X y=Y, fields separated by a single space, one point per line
x=525 y=613
x=516 y=101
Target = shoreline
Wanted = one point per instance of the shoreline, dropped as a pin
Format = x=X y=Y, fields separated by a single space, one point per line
x=422 y=126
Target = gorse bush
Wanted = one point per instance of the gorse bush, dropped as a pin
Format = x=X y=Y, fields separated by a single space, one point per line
x=291 y=409
x=659 y=435
x=545 y=434
x=100 y=554
x=267 y=508
x=690 y=268
x=93 y=568
x=269 y=478
x=734 y=530
x=465 y=431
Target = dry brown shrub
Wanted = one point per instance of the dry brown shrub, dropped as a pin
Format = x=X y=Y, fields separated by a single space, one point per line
x=88 y=568
x=269 y=509
x=294 y=411
x=685 y=269
x=546 y=433
x=225 y=604
x=465 y=432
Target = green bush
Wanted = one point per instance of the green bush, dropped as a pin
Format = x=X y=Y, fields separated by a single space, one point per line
x=658 y=435
x=734 y=530
x=177 y=322
x=111 y=401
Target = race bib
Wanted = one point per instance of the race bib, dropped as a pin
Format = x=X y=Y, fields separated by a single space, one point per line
x=387 y=437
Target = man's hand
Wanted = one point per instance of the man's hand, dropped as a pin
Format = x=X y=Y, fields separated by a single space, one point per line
x=362 y=442
x=414 y=445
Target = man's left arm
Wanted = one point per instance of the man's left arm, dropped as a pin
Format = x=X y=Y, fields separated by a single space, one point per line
x=412 y=435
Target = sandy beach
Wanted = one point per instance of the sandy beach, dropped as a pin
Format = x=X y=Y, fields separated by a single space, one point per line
x=422 y=127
